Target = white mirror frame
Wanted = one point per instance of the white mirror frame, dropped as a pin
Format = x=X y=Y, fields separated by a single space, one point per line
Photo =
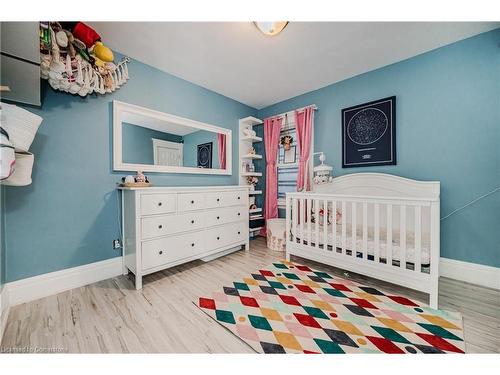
x=119 y=165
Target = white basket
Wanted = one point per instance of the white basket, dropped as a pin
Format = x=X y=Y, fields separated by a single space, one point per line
x=275 y=232
x=22 y=170
x=21 y=125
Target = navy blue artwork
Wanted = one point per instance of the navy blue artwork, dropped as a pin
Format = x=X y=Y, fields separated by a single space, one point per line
x=205 y=155
x=369 y=134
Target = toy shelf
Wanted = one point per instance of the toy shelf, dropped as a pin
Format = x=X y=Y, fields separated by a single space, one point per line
x=251 y=156
x=251 y=174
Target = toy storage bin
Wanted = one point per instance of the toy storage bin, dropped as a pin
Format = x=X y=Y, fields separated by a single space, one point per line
x=276 y=229
x=22 y=170
x=20 y=124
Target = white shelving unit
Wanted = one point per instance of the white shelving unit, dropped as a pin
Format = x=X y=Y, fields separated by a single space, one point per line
x=245 y=144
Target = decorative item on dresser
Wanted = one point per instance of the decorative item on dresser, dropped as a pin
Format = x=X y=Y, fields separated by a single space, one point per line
x=167 y=226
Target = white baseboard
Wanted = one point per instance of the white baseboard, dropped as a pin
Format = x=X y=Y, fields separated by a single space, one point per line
x=470 y=272
x=48 y=284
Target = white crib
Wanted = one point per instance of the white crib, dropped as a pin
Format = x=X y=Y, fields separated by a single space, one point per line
x=379 y=225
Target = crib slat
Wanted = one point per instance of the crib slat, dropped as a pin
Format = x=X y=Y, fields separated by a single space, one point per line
x=325 y=224
x=365 y=230
x=302 y=218
x=334 y=226
x=354 y=234
x=402 y=236
x=344 y=226
x=295 y=216
x=316 y=223
x=418 y=238
x=389 y=235
x=376 y=228
x=309 y=217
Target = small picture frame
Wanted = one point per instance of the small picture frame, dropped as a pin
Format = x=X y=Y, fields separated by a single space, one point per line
x=289 y=156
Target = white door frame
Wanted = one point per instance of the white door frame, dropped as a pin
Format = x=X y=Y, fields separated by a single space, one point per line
x=167 y=144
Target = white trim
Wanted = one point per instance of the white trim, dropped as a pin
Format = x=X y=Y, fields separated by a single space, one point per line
x=470 y=272
x=119 y=165
x=48 y=284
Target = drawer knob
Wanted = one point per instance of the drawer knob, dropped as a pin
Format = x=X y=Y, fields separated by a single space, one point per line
x=218 y=200
x=192 y=221
x=218 y=238
x=192 y=245
x=159 y=203
x=192 y=202
x=160 y=252
x=239 y=232
x=239 y=214
x=160 y=226
x=218 y=217
x=239 y=197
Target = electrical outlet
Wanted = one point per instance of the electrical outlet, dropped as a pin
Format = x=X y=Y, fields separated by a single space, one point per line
x=117 y=244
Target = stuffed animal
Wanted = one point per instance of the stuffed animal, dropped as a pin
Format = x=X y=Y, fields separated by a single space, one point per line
x=249 y=132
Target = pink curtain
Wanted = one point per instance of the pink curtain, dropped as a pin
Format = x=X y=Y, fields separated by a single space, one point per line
x=221 y=141
x=272 y=127
x=304 y=124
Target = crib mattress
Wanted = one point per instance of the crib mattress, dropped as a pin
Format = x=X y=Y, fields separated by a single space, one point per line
x=396 y=249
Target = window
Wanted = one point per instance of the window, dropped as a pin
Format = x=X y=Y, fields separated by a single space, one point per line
x=288 y=161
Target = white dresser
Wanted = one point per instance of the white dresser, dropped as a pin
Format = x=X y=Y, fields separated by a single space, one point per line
x=167 y=226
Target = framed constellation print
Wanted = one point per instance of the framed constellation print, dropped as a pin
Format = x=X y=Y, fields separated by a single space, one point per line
x=369 y=134
x=205 y=155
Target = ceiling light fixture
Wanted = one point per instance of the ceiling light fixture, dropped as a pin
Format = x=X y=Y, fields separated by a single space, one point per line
x=271 y=28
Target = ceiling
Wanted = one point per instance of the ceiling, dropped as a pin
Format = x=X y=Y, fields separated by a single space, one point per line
x=236 y=60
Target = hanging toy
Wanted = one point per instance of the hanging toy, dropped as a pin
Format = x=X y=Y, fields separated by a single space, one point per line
x=103 y=53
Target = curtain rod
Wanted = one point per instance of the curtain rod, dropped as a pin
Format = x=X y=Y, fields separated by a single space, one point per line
x=315 y=107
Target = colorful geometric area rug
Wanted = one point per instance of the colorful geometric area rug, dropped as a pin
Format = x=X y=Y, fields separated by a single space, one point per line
x=291 y=308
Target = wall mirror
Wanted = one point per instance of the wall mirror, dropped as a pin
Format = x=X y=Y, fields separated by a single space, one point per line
x=153 y=141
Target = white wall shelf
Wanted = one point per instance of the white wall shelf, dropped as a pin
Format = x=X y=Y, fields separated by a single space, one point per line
x=251 y=156
x=255 y=192
x=251 y=174
x=255 y=210
x=252 y=139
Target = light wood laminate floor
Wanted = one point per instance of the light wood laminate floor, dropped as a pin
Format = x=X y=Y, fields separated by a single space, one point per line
x=111 y=316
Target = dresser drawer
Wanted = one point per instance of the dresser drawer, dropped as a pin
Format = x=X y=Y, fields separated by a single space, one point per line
x=152 y=204
x=225 y=215
x=190 y=201
x=224 y=199
x=236 y=198
x=156 y=226
x=158 y=252
x=225 y=235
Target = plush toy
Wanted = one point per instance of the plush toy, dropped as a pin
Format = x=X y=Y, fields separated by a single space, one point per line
x=249 y=132
x=139 y=177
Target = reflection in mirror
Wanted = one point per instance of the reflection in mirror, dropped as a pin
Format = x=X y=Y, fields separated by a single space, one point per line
x=181 y=147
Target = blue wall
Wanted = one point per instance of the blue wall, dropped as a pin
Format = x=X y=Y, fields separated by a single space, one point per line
x=448 y=129
x=69 y=215
x=137 y=143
